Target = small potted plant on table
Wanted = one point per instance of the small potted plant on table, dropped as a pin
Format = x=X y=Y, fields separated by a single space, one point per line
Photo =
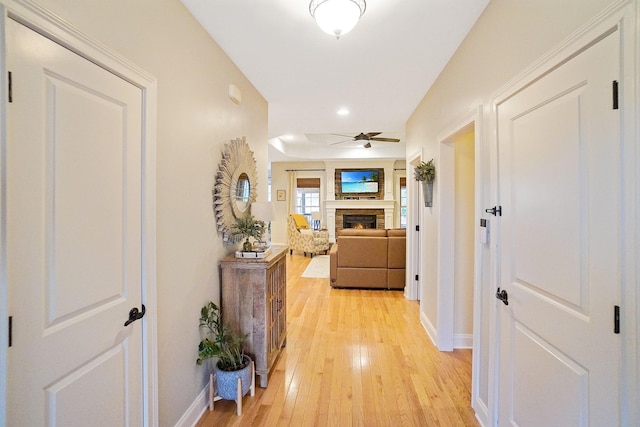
x=249 y=226
x=234 y=374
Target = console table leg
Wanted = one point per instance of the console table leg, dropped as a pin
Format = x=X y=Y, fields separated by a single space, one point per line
x=263 y=380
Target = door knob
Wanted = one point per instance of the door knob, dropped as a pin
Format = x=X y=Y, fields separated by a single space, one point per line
x=503 y=296
x=135 y=314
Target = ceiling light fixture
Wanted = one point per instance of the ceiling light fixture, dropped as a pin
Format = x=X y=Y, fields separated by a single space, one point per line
x=367 y=145
x=337 y=17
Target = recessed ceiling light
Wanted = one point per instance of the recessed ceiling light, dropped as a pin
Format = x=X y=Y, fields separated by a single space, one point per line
x=343 y=112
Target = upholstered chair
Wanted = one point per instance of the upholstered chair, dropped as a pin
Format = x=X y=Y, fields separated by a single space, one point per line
x=302 y=238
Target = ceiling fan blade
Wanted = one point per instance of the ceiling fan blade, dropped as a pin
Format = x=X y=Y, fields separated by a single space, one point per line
x=340 y=142
x=385 y=139
x=370 y=134
x=342 y=134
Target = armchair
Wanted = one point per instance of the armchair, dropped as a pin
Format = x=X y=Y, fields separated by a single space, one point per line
x=302 y=239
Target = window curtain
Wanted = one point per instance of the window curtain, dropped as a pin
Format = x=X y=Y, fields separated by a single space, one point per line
x=293 y=177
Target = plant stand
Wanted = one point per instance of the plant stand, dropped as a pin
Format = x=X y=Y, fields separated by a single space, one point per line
x=213 y=397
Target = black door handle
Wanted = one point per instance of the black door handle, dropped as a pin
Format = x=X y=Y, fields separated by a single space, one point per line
x=135 y=314
x=503 y=296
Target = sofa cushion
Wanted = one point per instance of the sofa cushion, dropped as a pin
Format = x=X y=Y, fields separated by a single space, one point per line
x=367 y=232
x=363 y=252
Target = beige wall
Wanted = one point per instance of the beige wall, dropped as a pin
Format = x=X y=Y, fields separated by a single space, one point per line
x=464 y=155
x=508 y=37
x=195 y=118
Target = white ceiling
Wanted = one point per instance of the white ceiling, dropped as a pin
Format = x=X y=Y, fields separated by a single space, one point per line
x=379 y=71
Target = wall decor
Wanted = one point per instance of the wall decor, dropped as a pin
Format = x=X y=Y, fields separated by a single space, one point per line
x=426 y=173
x=235 y=189
x=282 y=195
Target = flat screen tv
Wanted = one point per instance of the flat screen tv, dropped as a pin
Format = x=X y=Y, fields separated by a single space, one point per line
x=359 y=182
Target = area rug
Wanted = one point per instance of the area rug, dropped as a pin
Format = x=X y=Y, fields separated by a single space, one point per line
x=318 y=268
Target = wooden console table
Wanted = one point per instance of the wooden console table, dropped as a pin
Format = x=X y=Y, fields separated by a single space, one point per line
x=254 y=303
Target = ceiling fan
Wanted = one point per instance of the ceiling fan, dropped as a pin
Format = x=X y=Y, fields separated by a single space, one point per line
x=368 y=137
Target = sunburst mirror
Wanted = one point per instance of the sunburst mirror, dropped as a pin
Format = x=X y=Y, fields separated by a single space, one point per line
x=236 y=187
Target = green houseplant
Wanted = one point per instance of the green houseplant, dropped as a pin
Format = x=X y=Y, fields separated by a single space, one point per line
x=222 y=342
x=426 y=173
x=249 y=226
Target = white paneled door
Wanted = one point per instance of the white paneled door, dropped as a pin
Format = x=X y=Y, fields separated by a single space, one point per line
x=74 y=239
x=560 y=177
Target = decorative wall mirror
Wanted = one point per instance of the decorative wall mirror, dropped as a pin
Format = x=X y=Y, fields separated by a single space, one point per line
x=236 y=187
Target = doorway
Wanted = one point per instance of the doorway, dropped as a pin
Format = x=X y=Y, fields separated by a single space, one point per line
x=458 y=247
x=462 y=260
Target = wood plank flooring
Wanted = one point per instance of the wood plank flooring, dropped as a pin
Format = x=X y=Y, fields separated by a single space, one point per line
x=355 y=358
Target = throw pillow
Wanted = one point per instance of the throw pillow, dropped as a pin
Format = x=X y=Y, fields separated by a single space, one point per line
x=300 y=220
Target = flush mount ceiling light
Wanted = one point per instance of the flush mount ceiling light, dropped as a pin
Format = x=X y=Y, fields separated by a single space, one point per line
x=337 y=17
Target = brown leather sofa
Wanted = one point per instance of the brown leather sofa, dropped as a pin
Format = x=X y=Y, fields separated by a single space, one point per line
x=368 y=258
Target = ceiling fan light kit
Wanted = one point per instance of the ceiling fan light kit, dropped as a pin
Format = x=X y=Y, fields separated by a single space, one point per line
x=337 y=17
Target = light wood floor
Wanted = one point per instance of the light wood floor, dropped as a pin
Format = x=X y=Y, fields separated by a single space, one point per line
x=355 y=357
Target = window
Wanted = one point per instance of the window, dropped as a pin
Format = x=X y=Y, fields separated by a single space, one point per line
x=308 y=196
x=403 y=202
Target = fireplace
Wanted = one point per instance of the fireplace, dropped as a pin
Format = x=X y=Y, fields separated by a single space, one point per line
x=337 y=209
x=359 y=221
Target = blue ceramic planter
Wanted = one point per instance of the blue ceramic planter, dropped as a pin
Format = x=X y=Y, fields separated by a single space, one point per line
x=227 y=381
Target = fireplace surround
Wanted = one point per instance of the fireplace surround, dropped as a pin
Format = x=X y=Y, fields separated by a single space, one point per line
x=336 y=209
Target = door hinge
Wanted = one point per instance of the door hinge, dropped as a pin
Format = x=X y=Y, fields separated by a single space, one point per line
x=616 y=319
x=417 y=277
x=495 y=211
x=417 y=228
x=10 y=87
x=10 y=331
x=615 y=94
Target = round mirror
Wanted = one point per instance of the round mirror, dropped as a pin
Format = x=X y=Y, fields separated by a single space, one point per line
x=242 y=195
x=235 y=189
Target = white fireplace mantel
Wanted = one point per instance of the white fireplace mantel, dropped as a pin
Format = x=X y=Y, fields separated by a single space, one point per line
x=331 y=206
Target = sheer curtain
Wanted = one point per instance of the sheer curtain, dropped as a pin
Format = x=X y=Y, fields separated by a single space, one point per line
x=293 y=177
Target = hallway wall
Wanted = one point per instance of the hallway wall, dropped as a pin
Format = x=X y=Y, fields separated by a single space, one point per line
x=507 y=38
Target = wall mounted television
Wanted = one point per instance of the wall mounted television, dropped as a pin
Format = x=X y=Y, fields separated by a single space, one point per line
x=359 y=182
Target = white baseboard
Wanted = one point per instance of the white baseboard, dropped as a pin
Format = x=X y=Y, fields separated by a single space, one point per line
x=432 y=333
x=193 y=414
x=463 y=341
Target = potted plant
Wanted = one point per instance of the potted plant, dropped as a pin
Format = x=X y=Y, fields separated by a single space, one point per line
x=426 y=173
x=249 y=226
x=222 y=342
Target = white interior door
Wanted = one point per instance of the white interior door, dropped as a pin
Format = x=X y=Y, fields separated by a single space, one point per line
x=560 y=189
x=74 y=239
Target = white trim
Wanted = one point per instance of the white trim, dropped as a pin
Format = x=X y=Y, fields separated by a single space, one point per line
x=432 y=332
x=463 y=341
x=196 y=410
x=51 y=26
x=413 y=288
x=4 y=330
